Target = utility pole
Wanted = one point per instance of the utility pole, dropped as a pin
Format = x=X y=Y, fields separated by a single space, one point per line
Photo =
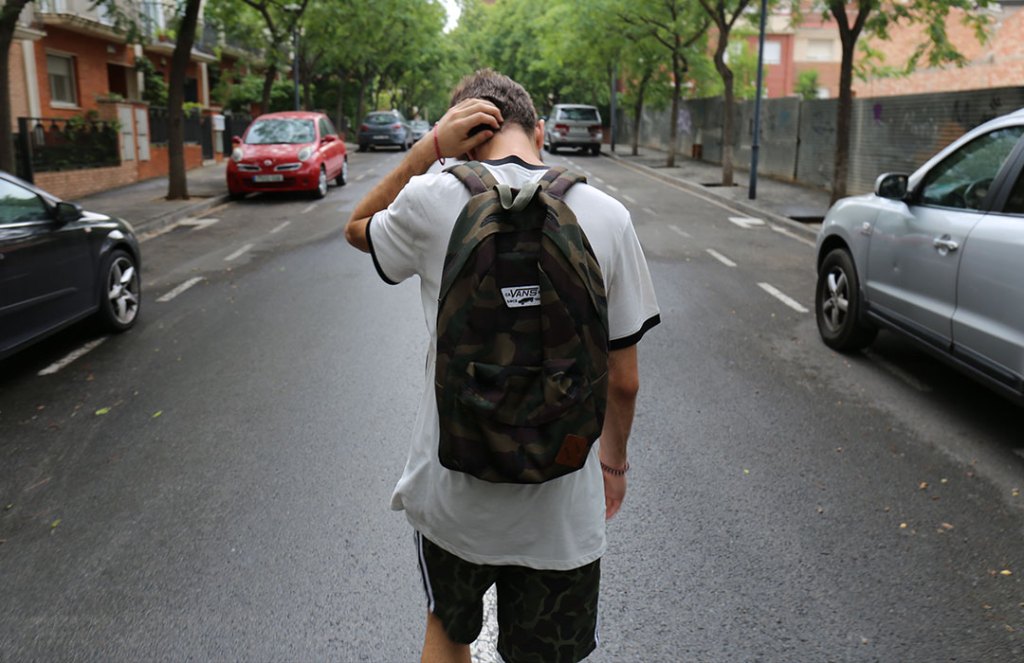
x=614 y=124
x=755 y=146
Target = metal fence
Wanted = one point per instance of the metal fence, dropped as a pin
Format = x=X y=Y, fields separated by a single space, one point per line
x=56 y=144
x=798 y=138
x=158 y=118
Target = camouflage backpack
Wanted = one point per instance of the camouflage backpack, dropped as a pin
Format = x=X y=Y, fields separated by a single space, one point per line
x=522 y=334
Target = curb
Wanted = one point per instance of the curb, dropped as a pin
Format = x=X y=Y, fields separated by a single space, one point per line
x=173 y=216
x=694 y=187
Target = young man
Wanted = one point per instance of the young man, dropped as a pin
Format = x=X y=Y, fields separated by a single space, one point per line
x=539 y=543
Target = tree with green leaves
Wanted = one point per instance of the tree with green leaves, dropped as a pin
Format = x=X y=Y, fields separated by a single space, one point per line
x=807 y=84
x=876 y=18
x=724 y=14
x=679 y=27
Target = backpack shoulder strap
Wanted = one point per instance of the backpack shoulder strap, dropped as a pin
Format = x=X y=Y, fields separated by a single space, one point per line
x=557 y=181
x=474 y=175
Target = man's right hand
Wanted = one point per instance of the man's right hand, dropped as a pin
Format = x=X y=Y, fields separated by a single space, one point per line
x=454 y=131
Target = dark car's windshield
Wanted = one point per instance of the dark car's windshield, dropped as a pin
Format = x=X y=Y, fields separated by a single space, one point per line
x=268 y=132
x=381 y=118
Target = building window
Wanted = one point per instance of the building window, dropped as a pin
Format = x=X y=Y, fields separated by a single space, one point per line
x=772 y=52
x=153 y=16
x=819 y=49
x=61 y=71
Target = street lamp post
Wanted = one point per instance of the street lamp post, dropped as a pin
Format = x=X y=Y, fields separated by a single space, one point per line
x=755 y=146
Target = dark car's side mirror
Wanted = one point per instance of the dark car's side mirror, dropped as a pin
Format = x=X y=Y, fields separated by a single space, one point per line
x=67 y=212
x=892 y=186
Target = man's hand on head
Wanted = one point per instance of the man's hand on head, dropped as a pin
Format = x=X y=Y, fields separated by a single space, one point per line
x=455 y=130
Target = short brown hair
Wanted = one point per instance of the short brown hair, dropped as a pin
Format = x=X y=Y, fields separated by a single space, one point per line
x=510 y=97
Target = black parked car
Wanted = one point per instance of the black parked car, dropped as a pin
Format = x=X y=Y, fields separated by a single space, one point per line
x=60 y=264
x=385 y=128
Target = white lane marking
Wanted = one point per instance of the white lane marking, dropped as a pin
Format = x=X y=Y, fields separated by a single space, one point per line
x=628 y=198
x=308 y=209
x=612 y=187
x=783 y=297
x=237 y=254
x=650 y=211
x=595 y=180
x=198 y=223
x=280 y=227
x=679 y=231
x=180 y=289
x=720 y=258
x=361 y=177
x=895 y=370
x=746 y=222
x=57 y=365
x=791 y=235
x=714 y=202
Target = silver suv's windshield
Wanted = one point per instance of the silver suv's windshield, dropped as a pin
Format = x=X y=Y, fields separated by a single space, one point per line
x=578 y=114
x=270 y=132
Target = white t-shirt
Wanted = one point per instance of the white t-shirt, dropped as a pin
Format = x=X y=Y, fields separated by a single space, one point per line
x=558 y=524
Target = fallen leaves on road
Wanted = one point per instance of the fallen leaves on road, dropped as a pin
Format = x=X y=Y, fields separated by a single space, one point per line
x=923 y=485
x=102 y=411
x=54 y=524
x=157 y=413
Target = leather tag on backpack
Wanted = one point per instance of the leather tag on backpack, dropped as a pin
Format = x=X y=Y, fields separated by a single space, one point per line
x=573 y=452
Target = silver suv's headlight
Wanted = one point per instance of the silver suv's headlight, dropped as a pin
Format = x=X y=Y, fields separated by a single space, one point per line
x=236 y=154
x=305 y=153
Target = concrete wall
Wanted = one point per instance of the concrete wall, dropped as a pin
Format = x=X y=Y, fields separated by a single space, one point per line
x=889 y=134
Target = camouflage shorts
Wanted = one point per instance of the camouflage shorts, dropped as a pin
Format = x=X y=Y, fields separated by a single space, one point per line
x=543 y=616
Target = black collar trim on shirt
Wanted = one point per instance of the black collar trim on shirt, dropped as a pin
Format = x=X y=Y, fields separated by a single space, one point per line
x=514 y=160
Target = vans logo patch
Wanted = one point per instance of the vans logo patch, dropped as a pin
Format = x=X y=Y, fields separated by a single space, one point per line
x=520 y=296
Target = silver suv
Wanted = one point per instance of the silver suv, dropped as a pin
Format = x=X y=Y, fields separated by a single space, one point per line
x=936 y=257
x=573 y=125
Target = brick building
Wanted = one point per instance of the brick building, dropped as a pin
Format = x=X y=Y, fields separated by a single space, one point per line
x=995 y=64
x=70 y=68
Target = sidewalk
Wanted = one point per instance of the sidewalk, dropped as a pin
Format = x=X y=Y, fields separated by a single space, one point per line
x=144 y=204
x=793 y=205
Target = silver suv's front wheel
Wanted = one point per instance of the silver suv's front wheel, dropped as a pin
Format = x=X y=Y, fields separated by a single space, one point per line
x=837 y=304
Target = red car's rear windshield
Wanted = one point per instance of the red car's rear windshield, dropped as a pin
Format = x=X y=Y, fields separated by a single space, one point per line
x=269 y=132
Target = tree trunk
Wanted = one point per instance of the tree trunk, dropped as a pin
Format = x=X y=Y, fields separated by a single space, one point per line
x=339 y=116
x=177 y=188
x=268 y=88
x=8 y=22
x=638 y=109
x=848 y=36
x=728 y=125
x=673 y=127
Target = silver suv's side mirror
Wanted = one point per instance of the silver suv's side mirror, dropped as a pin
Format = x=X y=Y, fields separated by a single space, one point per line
x=892 y=186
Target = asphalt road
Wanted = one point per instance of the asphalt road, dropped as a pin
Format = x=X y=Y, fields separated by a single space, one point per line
x=214 y=484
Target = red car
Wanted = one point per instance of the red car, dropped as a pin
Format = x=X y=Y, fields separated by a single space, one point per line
x=291 y=151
